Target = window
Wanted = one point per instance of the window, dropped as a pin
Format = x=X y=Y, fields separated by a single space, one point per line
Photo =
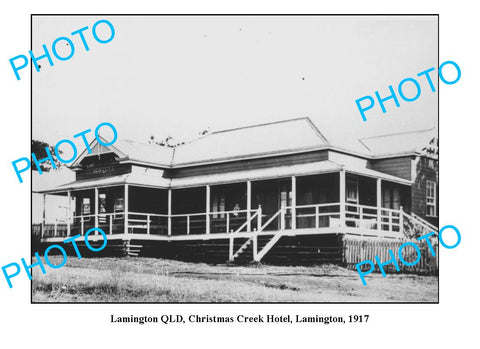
x=118 y=208
x=218 y=205
x=102 y=201
x=396 y=199
x=387 y=202
x=352 y=191
x=391 y=197
x=86 y=208
x=431 y=199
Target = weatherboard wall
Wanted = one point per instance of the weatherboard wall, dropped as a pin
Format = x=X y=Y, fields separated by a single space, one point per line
x=398 y=166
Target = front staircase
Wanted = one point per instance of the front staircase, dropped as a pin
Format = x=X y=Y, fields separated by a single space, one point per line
x=244 y=254
x=257 y=246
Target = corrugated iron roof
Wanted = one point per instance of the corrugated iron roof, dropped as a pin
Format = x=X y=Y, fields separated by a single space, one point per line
x=318 y=167
x=284 y=137
x=130 y=178
x=251 y=141
x=399 y=143
x=276 y=138
x=146 y=153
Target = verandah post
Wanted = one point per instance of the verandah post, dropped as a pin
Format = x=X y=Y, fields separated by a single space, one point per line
x=255 y=233
x=249 y=204
x=379 y=204
x=42 y=234
x=69 y=212
x=207 y=210
x=342 y=198
x=96 y=209
x=259 y=218
x=169 y=222
x=294 y=202
x=230 y=249
x=400 y=220
x=125 y=228
x=148 y=224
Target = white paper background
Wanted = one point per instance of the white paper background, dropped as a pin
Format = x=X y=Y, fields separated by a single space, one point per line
x=451 y=323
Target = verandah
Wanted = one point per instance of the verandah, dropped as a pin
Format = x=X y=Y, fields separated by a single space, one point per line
x=328 y=200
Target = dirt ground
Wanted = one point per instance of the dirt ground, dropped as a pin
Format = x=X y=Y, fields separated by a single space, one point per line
x=160 y=280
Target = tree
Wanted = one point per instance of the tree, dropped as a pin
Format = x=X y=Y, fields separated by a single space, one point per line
x=38 y=148
x=432 y=148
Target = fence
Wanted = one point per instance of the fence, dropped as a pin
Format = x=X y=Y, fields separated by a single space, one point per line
x=358 y=250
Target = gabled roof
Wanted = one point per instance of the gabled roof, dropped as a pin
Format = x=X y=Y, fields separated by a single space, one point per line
x=399 y=143
x=133 y=152
x=129 y=178
x=262 y=140
x=146 y=153
x=274 y=138
x=252 y=141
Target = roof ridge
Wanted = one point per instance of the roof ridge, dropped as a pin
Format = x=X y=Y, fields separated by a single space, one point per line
x=361 y=142
x=317 y=131
x=397 y=133
x=263 y=124
x=138 y=142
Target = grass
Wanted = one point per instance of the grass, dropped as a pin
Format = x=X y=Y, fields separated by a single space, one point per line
x=160 y=280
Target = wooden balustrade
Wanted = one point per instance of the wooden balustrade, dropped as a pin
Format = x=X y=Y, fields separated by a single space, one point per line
x=327 y=215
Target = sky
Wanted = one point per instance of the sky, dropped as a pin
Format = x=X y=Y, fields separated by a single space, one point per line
x=179 y=75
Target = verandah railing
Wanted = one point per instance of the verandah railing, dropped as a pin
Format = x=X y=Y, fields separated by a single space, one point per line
x=328 y=215
x=356 y=216
x=153 y=224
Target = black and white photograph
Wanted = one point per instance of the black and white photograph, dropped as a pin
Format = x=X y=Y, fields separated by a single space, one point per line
x=211 y=174
x=226 y=159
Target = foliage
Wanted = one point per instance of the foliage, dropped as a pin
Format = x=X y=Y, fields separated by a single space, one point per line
x=170 y=142
x=432 y=148
x=38 y=148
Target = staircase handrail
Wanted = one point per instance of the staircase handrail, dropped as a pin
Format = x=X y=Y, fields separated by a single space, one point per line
x=420 y=222
x=246 y=222
x=270 y=220
x=259 y=230
x=428 y=224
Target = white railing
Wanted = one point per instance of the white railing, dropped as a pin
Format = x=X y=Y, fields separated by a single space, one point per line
x=54 y=228
x=327 y=215
x=317 y=215
x=374 y=218
x=218 y=222
x=147 y=223
x=110 y=223
x=105 y=221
